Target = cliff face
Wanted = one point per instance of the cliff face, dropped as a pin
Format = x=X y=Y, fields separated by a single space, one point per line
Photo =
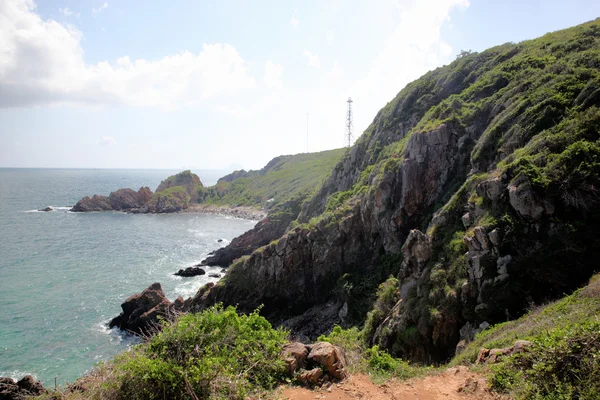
x=476 y=187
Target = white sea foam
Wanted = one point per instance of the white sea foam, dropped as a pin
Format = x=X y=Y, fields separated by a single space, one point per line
x=116 y=334
x=16 y=374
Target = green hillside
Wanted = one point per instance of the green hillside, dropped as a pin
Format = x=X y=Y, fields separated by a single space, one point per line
x=282 y=179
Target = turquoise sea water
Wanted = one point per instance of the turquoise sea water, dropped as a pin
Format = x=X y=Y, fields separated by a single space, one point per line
x=63 y=275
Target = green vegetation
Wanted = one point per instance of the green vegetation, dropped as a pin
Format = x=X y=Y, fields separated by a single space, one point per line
x=284 y=178
x=373 y=361
x=563 y=361
x=215 y=354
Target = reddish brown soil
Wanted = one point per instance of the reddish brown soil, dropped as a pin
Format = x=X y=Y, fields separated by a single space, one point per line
x=454 y=384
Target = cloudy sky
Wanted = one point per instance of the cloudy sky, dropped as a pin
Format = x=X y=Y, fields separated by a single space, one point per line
x=215 y=83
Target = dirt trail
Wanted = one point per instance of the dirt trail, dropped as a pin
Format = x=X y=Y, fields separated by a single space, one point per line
x=454 y=384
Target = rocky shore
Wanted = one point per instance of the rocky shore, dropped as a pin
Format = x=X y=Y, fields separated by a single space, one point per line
x=243 y=212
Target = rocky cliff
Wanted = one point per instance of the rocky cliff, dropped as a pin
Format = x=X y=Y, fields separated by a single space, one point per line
x=476 y=188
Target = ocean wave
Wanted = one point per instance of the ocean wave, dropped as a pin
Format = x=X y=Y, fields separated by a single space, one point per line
x=54 y=208
x=17 y=375
x=116 y=334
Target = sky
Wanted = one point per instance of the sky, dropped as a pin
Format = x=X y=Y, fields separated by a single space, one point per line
x=219 y=84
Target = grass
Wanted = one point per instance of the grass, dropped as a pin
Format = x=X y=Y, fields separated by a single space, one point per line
x=372 y=361
x=563 y=361
x=284 y=178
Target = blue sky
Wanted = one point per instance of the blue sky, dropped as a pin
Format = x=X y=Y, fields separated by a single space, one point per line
x=210 y=84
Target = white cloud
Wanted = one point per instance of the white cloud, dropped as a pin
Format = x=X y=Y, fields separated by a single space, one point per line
x=99 y=9
x=41 y=63
x=294 y=21
x=106 y=141
x=273 y=74
x=313 y=59
x=415 y=47
x=67 y=12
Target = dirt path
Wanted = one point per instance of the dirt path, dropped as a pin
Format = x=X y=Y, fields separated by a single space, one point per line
x=453 y=384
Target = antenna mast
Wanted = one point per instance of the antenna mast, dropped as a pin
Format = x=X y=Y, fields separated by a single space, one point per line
x=349 y=125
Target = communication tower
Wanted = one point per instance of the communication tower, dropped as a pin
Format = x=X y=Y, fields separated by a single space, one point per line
x=349 y=125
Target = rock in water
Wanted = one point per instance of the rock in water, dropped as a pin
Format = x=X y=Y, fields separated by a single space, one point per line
x=141 y=311
x=190 y=271
x=47 y=209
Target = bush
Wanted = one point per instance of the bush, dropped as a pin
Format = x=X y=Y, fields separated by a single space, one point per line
x=213 y=354
x=562 y=364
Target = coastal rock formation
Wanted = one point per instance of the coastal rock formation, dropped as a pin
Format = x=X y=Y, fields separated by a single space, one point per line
x=94 y=203
x=120 y=200
x=270 y=228
x=141 y=311
x=172 y=195
x=190 y=271
x=20 y=390
x=190 y=182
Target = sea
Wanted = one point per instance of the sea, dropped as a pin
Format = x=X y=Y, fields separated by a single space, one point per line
x=64 y=275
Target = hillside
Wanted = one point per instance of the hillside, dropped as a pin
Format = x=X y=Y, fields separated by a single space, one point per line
x=476 y=188
x=283 y=178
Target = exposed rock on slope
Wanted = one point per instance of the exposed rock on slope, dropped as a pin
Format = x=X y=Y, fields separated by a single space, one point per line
x=477 y=187
x=270 y=228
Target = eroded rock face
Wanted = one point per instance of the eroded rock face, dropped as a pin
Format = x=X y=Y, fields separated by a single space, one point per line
x=120 y=200
x=126 y=199
x=526 y=202
x=141 y=311
x=265 y=231
x=20 y=390
x=94 y=203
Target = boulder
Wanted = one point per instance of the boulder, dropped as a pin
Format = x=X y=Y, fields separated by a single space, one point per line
x=332 y=358
x=213 y=275
x=142 y=312
x=47 y=209
x=294 y=355
x=311 y=377
x=190 y=271
x=494 y=355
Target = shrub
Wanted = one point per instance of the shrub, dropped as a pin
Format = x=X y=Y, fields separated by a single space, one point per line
x=562 y=364
x=216 y=353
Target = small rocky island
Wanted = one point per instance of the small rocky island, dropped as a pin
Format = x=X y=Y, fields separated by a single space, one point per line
x=174 y=194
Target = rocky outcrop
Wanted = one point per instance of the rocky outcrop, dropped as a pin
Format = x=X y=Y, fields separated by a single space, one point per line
x=120 y=200
x=174 y=194
x=20 y=390
x=265 y=231
x=47 y=209
x=494 y=355
x=126 y=199
x=316 y=363
x=161 y=204
x=190 y=182
x=94 y=203
x=190 y=271
x=141 y=312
